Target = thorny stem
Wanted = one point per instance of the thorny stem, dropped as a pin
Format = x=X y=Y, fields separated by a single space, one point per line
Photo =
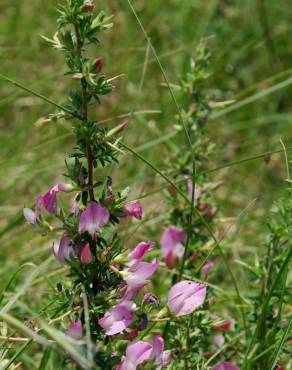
x=84 y=115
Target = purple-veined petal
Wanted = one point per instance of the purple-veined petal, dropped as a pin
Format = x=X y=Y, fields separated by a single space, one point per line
x=49 y=200
x=93 y=218
x=172 y=245
x=185 y=296
x=136 y=354
x=140 y=273
x=64 y=250
x=139 y=252
x=117 y=318
x=157 y=349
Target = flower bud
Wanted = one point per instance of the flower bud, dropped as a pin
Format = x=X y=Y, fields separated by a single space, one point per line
x=151 y=298
x=133 y=333
x=210 y=214
x=172 y=191
x=117 y=129
x=88 y=6
x=219 y=340
x=86 y=255
x=77 y=77
x=30 y=215
x=99 y=64
x=202 y=207
x=224 y=325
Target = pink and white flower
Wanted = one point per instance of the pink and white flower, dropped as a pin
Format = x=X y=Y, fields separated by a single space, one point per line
x=136 y=354
x=140 y=273
x=219 y=340
x=30 y=216
x=140 y=251
x=134 y=209
x=49 y=200
x=93 y=218
x=64 y=250
x=185 y=296
x=118 y=318
x=172 y=245
x=140 y=351
x=75 y=330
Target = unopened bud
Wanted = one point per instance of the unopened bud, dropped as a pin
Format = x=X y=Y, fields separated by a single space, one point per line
x=109 y=200
x=133 y=334
x=224 y=325
x=117 y=129
x=42 y=122
x=172 y=191
x=210 y=214
x=194 y=257
x=77 y=77
x=88 y=6
x=99 y=64
x=202 y=206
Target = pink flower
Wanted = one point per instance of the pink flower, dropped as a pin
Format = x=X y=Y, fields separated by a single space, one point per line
x=225 y=366
x=172 y=246
x=185 y=296
x=30 y=216
x=93 y=218
x=75 y=330
x=139 y=252
x=136 y=354
x=49 y=200
x=86 y=255
x=160 y=357
x=139 y=352
x=206 y=268
x=198 y=191
x=219 y=340
x=134 y=209
x=64 y=251
x=140 y=273
x=118 y=318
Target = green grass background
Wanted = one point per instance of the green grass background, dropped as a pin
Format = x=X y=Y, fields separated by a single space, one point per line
x=251 y=63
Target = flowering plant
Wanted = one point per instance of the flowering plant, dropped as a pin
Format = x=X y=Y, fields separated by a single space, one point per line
x=147 y=305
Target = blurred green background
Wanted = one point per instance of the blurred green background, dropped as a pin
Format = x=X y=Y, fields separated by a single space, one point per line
x=251 y=63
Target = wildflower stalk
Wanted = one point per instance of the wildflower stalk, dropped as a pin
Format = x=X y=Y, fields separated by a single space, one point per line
x=83 y=82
